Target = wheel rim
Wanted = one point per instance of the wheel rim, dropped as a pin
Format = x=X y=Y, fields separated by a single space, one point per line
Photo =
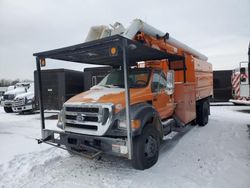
x=150 y=147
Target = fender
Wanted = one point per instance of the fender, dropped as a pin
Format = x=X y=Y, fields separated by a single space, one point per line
x=146 y=113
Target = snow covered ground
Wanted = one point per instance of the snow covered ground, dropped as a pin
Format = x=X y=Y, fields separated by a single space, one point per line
x=217 y=155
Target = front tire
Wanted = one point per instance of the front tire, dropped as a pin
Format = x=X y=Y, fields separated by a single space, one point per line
x=146 y=148
x=8 y=109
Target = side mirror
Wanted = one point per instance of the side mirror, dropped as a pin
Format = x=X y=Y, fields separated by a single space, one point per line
x=170 y=82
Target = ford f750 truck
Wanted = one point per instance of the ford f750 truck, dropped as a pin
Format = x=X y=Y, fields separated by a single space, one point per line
x=157 y=85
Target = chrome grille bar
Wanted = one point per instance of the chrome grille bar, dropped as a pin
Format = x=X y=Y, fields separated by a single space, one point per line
x=87 y=118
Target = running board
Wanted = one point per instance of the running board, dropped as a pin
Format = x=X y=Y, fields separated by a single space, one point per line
x=172 y=124
x=168 y=125
x=170 y=136
x=179 y=125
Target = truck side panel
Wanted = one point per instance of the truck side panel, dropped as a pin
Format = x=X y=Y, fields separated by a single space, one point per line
x=185 y=98
x=203 y=78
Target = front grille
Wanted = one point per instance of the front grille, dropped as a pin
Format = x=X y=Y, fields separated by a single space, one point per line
x=8 y=97
x=70 y=117
x=80 y=109
x=89 y=127
x=87 y=117
x=19 y=102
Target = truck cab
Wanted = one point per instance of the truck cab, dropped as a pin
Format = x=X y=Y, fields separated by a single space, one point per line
x=25 y=101
x=100 y=111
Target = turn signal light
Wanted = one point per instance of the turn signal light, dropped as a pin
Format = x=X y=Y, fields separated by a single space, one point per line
x=42 y=62
x=135 y=124
x=113 y=51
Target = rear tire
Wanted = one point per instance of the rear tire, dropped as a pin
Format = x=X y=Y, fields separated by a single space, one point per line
x=8 y=109
x=203 y=113
x=146 y=148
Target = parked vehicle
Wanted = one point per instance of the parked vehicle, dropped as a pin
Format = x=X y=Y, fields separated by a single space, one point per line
x=241 y=83
x=11 y=93
x=10 y=88
x=135 y=106
x=25 y=101
x=2 y=91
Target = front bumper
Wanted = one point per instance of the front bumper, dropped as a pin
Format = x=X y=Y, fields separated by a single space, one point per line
x=85 y=143
x=22 y=108
x=7 y=103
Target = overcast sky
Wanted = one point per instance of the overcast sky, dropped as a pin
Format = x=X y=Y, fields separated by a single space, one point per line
x=218 y=29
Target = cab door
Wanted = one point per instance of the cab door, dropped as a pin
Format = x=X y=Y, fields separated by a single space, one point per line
x=161 y=100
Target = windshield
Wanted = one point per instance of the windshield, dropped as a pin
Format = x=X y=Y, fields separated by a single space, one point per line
x=10 y=88
x=23 y=85
x=137 y=78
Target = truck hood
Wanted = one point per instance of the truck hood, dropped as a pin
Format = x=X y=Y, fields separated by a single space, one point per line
x=15 y=91
x=98 y=94
x=28 y=95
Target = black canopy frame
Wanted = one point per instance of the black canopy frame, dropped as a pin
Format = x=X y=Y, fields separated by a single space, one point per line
x=116 y=51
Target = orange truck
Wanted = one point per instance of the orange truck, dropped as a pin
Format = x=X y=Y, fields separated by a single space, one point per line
x=158 y=85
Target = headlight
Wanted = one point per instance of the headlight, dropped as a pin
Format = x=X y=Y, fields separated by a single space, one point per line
x=29 y=101
x=122 y=125
x=60 y=120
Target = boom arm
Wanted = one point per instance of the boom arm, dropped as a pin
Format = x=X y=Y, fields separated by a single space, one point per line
x=97 y=32
x=138 y=25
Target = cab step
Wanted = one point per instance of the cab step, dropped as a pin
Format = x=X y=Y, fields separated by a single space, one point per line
x=168 y=125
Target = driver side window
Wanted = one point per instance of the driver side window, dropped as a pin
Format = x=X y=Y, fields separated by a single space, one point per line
x=159 y=81
x=163 y=81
